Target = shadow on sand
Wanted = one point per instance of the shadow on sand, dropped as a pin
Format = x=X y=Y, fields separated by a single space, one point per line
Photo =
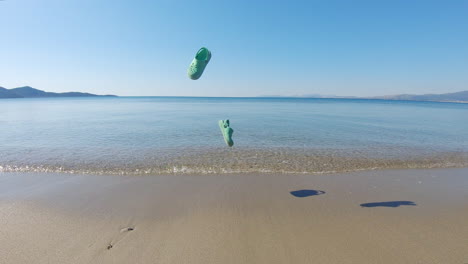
x=388 y=204
x=306 y=193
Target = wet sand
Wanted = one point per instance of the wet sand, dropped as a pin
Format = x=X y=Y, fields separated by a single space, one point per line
x=393 y=216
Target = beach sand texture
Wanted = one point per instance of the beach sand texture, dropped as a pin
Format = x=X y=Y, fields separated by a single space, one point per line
x=412 y=216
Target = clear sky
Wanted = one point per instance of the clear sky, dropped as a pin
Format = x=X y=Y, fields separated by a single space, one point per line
x=288 y=47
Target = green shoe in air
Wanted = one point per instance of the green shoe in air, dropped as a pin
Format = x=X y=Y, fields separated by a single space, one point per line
x=227 y=132
x=198 y=64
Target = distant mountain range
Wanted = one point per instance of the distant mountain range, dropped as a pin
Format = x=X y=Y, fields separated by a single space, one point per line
x=461 y=97
x=447 y=97
x=29 y=92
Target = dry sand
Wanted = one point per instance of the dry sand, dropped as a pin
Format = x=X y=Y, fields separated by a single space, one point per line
x=63 y=218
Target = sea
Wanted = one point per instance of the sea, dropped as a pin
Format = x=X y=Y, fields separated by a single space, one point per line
x=180 y=135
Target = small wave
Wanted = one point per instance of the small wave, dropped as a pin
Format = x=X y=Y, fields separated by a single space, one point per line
x=253 y=162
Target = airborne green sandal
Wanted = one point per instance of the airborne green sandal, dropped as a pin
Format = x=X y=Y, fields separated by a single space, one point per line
x=227 y=132
x=198 y=64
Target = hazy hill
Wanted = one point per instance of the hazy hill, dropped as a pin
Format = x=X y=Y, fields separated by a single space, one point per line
x=29 y=92
x=447 y=97
x=452 y=97
x=5 y=93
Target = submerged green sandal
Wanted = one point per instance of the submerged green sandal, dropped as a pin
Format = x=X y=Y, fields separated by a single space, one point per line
x=227 y=132
x=198 y=64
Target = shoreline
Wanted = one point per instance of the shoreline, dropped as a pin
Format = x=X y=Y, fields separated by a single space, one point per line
x=390 y=216
x=245 y=161
x=184 y=171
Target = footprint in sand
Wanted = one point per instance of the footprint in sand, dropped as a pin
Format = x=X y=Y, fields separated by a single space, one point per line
x=126 y=229
x=123 y=232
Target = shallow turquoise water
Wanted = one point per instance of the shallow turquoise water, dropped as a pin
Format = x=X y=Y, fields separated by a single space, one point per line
x=180 y=135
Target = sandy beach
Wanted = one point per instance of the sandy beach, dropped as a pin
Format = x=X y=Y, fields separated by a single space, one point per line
x=392 y=216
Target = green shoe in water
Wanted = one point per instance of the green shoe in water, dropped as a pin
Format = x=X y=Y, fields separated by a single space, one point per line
x=227 y=132
x=198 y=64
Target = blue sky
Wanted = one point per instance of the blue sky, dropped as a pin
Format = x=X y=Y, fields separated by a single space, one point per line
x=144 y=47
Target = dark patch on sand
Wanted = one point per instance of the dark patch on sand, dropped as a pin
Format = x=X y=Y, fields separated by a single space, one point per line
x=306 y=193
x=389 y=204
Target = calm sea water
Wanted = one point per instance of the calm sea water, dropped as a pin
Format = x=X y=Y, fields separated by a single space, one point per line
x=157 y=135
